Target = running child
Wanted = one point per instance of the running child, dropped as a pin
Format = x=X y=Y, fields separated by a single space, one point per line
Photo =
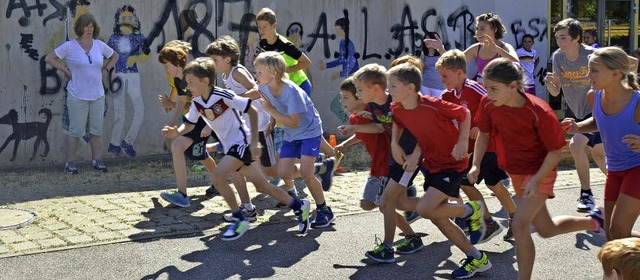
x=532 y=138
x=291 y=106
x=445 y=159
x=221 y=111
x=452 y=67
x=615 y=96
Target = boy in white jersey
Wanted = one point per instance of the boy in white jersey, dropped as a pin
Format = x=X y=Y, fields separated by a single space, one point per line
x=226 y=52
x=221 y=110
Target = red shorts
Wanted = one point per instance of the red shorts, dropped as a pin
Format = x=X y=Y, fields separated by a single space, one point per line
x=625 y=182
x=546 y=185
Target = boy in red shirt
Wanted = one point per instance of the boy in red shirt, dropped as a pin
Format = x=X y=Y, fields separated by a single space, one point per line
x=452 y=67
x=445 y=159
x=530 y=133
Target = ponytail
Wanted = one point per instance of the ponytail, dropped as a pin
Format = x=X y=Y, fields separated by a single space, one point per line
x=632 y=82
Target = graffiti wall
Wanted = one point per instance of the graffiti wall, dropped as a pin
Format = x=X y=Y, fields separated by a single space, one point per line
x=337 y=36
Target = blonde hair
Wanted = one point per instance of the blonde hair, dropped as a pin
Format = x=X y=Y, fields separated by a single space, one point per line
x=83 y=21
x=623 y=255
x=371 y=74
x=615 y=58
x=273 y=61
x=267 y=15
x=411 y=59
x=202 y=67
x=407 y=73
x=452 y=60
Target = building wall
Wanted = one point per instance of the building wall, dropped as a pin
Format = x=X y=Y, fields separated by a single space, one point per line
x=380 y=31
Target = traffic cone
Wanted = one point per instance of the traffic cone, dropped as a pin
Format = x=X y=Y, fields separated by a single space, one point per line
x=333 y=142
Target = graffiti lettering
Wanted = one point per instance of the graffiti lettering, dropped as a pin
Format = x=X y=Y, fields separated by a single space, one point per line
x=322 y=24
x=25 y=43
x=440 y=27
x=26 y=9
x=60 y=13
x=365 y=55
x=199 y=27
x=406 y=23
x=462 y=19
x=47 y=74
x=537 y=26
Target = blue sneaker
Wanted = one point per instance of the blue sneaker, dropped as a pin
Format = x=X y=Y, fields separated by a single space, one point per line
x=326 y=177
x=411 y=216
x=303 y=216
x=115 y=150
x=70 y=168
x=128 y=148
x=477 y=226
x=99 y=165
x=470 y=266
x=462 y=224
x=598 y=215
x=324 y=218
x=236 y=229
x=176 y=198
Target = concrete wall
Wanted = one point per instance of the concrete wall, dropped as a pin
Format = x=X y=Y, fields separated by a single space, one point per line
x=380 y=31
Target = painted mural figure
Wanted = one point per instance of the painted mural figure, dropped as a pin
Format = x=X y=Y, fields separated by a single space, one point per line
x=128 y=43
x=346 y=50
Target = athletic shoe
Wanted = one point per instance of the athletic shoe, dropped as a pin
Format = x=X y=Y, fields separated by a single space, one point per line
x=70 y=168
x=252 y=215
x=303 y=216
x=462 y=224
x=236 y=229
x=99 y=165
x=212 y=191
x=128 y=148
x=410 y=244
x=324 y=218
x=493 y=229
x=598 y=215
x=176 y=198
x=327 y=176
x=470 y=266
x=477 y=227
x=115 y=150
x=411 y=216
x=381 y=253
x=585 y=202
x=509 y=235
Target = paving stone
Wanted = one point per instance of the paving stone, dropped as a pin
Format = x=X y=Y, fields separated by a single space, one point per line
x=51 y=243
x=10 y=239
x=103 y=236
x=93 y=229
x=4 y=249
x=68 y=232
x=54 y=225
x=24 y=246
x=117 y=226
x=79 y=239
x=38 y=235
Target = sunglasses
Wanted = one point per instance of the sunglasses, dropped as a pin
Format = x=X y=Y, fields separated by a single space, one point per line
x=89 y=57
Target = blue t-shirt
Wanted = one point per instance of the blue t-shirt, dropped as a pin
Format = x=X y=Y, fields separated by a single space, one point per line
x=293 y=100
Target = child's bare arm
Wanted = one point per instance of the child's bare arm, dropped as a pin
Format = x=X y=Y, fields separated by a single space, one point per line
x=549 y=164
x=460 y=149
x=346 y=143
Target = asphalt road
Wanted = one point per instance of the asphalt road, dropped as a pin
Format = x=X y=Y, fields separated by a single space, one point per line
x=275 y=251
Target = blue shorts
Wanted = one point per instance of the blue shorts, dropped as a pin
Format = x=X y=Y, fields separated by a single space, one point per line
x=306 y=86
x=305 y=147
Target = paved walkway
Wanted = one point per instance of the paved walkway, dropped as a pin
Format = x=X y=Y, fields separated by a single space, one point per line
x=119 y=216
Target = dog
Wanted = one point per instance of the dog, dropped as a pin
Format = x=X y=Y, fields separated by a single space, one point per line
x=24 y=131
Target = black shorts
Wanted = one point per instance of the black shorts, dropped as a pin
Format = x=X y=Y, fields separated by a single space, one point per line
x=198 y=149
x=241 y=152
x=396 y=172
x=594 y=137
x=268 y=150
x=447 y=181
x=489 y=171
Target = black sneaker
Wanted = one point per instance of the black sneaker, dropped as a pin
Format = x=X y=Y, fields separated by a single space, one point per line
x=493 y=229
x=381 y=253
x=252 y=215
x=326 y=177
x=411 y=244
x=99 y=165
x=509 y=235
x=70 y=168
x=211 y=191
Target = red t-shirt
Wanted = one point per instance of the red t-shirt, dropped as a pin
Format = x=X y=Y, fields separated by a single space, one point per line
x=526 y=134
x=434 y=123
x=377 y=145
x=470 y=96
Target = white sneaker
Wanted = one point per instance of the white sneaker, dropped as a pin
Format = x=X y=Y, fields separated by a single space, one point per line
x=586 y=203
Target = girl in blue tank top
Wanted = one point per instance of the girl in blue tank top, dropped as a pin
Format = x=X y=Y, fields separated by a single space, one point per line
x=615 y=97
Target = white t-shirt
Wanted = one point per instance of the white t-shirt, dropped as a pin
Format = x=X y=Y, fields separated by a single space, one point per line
x=222 y=112
x=85 y=68
x=528 y=63
x=238 y=88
